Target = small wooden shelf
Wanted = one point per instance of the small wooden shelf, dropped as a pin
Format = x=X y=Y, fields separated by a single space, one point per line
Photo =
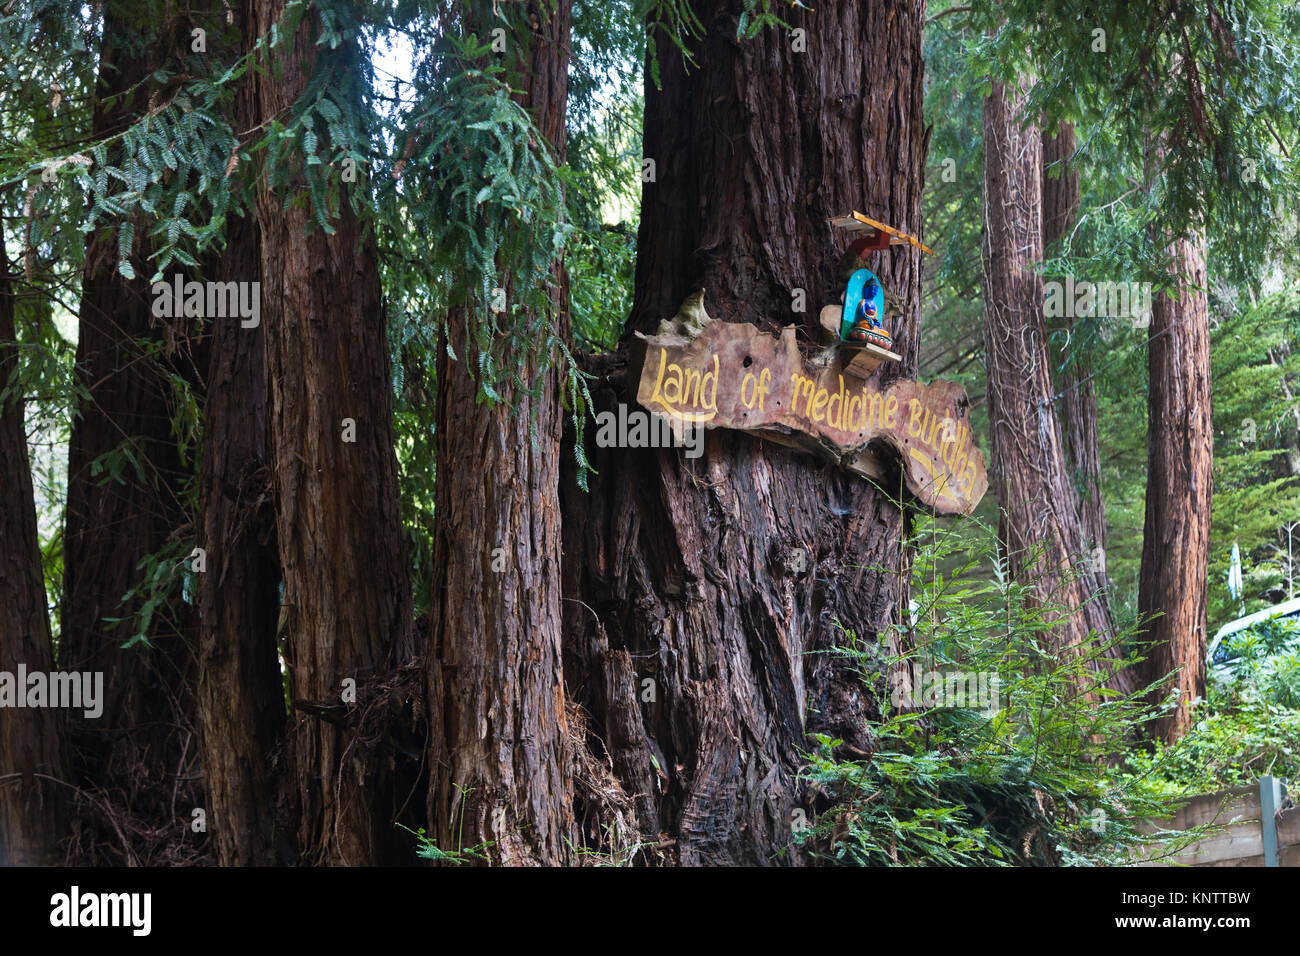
x=860 y=358
x=863 y=359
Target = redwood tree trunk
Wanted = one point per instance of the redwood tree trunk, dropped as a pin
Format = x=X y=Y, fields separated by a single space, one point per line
x=1176 y=533
x=1078 y=402
x=702 y=589
x=241 y=698
x=143 y=740
x=1032 y=475
x=346 y=611
x=499 y=728
x=31 y=743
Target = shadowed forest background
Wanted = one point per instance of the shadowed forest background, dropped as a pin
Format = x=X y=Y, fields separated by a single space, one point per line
x=365 y=589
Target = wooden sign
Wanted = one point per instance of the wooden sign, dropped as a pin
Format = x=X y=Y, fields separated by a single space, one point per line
x=734 y=376
x=856 y=222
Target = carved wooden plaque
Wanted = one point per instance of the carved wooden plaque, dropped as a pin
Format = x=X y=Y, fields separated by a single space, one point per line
x=734 y=376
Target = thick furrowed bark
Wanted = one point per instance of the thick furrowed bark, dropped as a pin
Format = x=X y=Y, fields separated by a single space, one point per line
x=241 y=700
x=720 y=579
x=346 y=612
x=143 y=741
x=498 y=706
x=32 y=795
x=1078 y=403
x=499 y=728
x=1176 y=534
x=1042 y=527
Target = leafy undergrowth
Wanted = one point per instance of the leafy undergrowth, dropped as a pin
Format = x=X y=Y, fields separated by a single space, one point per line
x=1249 y=723
x=1015 y=758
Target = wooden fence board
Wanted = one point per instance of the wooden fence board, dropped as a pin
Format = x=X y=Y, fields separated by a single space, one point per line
x=1239 y=841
